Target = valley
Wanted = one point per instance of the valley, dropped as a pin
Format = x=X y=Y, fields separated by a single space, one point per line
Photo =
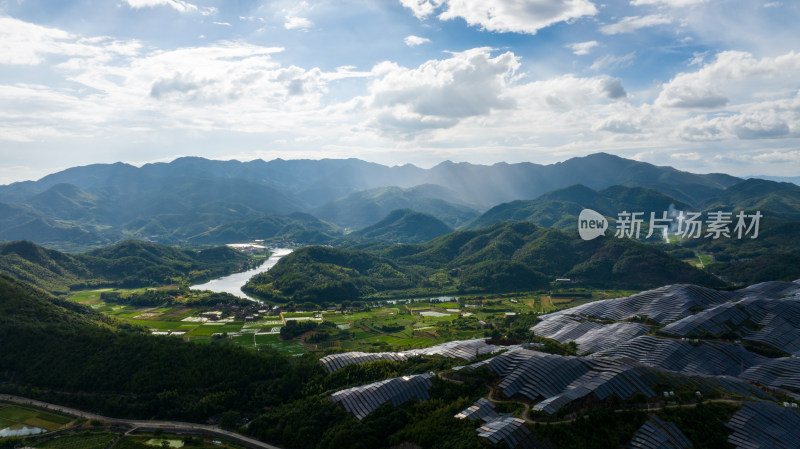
x=397 y=313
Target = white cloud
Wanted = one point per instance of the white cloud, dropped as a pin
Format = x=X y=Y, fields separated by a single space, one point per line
x=178 y=5
x=582 y=48
x=222 y=24
x=23 y=43
x=611 y=62
x=422 y=8
x=732 y=73
x=440 y=92
x=295 y=23
x=632 y=24
x=413 y=41
x=672 y=3
x=517 y=16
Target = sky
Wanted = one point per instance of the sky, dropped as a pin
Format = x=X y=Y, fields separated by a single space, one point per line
x=700 y=85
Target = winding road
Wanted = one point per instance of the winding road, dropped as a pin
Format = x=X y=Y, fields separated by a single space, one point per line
x=167 y=426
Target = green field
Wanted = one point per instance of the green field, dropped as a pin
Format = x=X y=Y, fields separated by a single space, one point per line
x=84 y=440
x=15 y=417
x=384 y=326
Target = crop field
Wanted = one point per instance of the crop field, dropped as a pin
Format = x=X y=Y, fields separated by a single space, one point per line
x=85 y=440
x=101 y=440
x=15 y=417
x=385 y=326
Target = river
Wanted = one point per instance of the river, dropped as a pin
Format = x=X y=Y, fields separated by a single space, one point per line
x=233 y=283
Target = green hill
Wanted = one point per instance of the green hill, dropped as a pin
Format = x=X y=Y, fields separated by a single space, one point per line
x=403 y=226
x=777 y=199
x=504 y=257
x=365 y=208
x=126 y=264
x=296 y=227
x=560 y=208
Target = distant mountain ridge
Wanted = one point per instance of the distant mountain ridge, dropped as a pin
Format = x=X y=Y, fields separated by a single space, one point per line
x=191 y=199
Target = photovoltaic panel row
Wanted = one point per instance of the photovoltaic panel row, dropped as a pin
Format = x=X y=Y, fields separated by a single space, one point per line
x=662 y=305
x=534 y=374
x=707 y=384
x=463 y=349
x=779 y=320
x=765 y=425
x=336 y=361
x=725 y=317
x=482 y=409
x=589 y=336
x=622 y=382
x=783 y=372
x=513 y=432
x=362 y=400
x=657 y=434
x=556 y=381
x=682 y=356
x=769 y=289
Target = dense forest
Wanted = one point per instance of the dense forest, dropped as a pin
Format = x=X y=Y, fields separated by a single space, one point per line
x=504 y=257
x=127 y=264
x=93 y=362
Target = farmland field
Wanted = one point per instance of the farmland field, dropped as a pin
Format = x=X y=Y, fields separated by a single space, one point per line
x=383 y=326
x=15 y=417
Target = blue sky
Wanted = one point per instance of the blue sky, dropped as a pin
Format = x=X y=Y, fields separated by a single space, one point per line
x=701 y=85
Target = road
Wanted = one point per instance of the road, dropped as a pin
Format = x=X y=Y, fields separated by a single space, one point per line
x=167 y=426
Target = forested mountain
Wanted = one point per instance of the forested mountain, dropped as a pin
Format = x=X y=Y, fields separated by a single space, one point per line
x=402 y=226
x=126 y=264
x=193 y=198
x=504 y=257
x=560 y=208
x=295 y=227
x=364 y=208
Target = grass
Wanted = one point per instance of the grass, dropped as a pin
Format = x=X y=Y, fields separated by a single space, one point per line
x=84 y=440
x=14 y=416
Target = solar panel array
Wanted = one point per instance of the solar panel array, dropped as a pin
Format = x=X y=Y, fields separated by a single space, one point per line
x=765 y=425
x=657 y=434
x=770 y=289
x=779 y=320
x=361 y=401
x=512 y=431
x=463 y=349
x=603 y=381
x=336 y=361
x=482 y=409
x=662 y=305
x=536 y=375
x=714 y=321
x=556 y=381
x=784 y=372
x=682 y=356
x=589 y=335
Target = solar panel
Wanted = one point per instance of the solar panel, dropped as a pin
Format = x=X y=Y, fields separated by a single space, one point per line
x=765 y=425
x=362 y=400
x=657 y=434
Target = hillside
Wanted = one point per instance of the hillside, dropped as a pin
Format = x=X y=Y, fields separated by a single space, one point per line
x=126 y=264
x=295 y=227
x=560 y=208
x=364 y=208
x=504 y=257
x=402 y=226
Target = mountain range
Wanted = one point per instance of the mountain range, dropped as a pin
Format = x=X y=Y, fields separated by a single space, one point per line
x=191 y=199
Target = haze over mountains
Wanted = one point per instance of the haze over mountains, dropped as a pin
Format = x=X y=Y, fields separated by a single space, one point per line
x=205 y=201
